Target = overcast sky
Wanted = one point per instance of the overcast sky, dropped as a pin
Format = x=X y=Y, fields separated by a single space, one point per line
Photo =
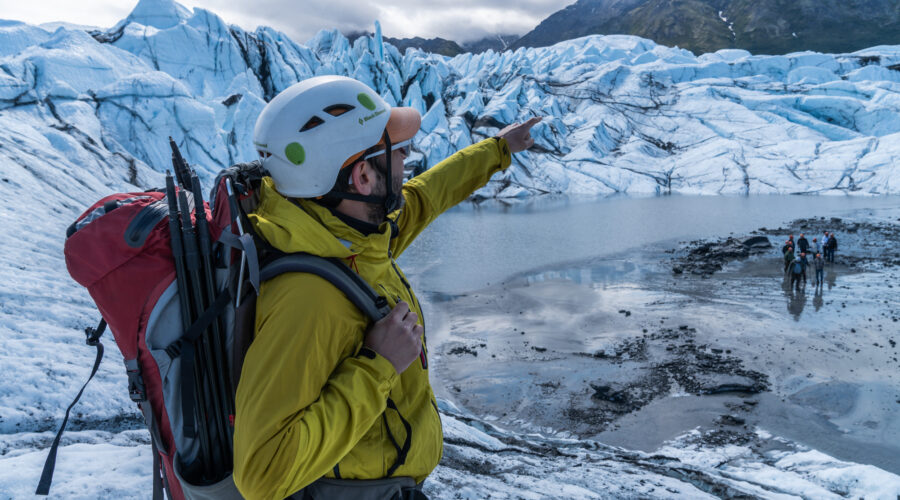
x=459 y=20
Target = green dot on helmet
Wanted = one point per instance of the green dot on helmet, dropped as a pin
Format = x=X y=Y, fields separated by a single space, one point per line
x=295 y=153
x=366 y=101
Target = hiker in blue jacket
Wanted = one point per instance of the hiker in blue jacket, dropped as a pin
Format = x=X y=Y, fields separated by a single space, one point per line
x=796 y=270
x=805 y=263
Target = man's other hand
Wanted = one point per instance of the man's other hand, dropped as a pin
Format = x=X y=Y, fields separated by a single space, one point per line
x=397 y=337
x=518 y=135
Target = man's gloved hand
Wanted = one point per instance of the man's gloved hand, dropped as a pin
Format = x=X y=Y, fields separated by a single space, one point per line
x=397 y=337
x=518 y=135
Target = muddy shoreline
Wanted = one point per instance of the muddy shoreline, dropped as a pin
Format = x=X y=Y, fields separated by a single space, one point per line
x=630 y=352
x=870 y=244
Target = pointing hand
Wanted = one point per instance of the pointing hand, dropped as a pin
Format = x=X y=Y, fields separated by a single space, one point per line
x=518 y=135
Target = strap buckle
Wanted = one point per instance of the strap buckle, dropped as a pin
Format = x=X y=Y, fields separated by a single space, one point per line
x=135 y=382
x=174 y=349
x=92 y=335
x=136 y=387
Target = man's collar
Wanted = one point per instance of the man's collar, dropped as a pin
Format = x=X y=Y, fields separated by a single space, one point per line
x=364 y=227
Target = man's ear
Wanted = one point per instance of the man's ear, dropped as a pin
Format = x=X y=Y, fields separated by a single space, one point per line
x=362 y=178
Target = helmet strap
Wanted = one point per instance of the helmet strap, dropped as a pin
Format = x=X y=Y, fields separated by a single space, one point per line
x=391 y=200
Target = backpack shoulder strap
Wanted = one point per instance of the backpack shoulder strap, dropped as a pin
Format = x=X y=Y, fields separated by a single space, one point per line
x=351 y=284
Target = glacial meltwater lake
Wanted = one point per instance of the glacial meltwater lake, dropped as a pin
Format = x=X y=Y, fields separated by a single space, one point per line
x=473 y=245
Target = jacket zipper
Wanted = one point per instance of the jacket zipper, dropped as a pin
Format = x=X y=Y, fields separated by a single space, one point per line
x=412 y=298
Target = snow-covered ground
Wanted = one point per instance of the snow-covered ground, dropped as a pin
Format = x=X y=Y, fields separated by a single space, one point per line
x=82 y=115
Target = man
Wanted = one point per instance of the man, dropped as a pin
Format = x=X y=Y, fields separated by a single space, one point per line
x=819 y=264
x=784 y=248
x=323 y=393
x=816 y=247
x=830 y=247
x=788 y=256
x=802 y=243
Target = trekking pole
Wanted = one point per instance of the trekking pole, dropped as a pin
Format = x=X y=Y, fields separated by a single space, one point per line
x=215 y=375
x=218 y=338
x=181 y=167
x=188 y=390
x=237 y=219
x=204 y=353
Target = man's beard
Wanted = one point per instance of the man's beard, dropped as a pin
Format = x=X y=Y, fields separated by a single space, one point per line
x=377 y=212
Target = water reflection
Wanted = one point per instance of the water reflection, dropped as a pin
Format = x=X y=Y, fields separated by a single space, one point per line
x=830 y=278
x=796 y=303
x=796 y=299
x=597 y=274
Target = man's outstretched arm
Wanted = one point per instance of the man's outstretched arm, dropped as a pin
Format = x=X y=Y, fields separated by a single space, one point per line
x=456 y=178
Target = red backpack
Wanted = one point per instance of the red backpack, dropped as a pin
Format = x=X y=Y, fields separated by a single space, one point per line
x=152 y=266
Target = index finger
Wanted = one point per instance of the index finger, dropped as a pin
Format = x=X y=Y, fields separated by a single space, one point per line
x=532 y=121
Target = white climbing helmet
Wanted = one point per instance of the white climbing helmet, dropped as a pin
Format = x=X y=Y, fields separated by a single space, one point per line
x=313 y=129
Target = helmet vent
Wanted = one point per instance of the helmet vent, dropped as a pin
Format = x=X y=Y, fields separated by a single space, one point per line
x=338 y=109
x=313 y=122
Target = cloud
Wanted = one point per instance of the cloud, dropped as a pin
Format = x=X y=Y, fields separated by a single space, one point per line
x=99 y=13
x=300 y=20
x=459 y=20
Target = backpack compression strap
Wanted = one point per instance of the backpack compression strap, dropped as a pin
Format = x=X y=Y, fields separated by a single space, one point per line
x=93 y=338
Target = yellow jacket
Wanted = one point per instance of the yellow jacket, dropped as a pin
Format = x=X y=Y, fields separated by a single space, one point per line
x=310 y=403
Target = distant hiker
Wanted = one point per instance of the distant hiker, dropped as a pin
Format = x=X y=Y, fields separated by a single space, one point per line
x=819 y=264
x=788 y=256
x=816 y=248
x=784 y=248
x=326 y=399
x=796 y=269
x=824 y=243
x=802 y=243
x=830 y=248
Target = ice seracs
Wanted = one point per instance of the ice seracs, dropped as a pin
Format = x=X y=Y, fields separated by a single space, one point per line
x=622 y=114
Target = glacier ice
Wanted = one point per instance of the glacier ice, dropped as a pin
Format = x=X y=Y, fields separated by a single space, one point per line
x=622 y=114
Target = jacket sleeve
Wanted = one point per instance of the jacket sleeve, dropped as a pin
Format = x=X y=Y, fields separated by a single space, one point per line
x=305 y=396
x=444 y=185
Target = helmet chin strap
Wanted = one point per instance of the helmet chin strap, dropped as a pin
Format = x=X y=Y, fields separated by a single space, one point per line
x=391 y=201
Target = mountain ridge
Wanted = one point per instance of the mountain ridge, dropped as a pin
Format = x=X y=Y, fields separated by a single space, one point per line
x=702 y=26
